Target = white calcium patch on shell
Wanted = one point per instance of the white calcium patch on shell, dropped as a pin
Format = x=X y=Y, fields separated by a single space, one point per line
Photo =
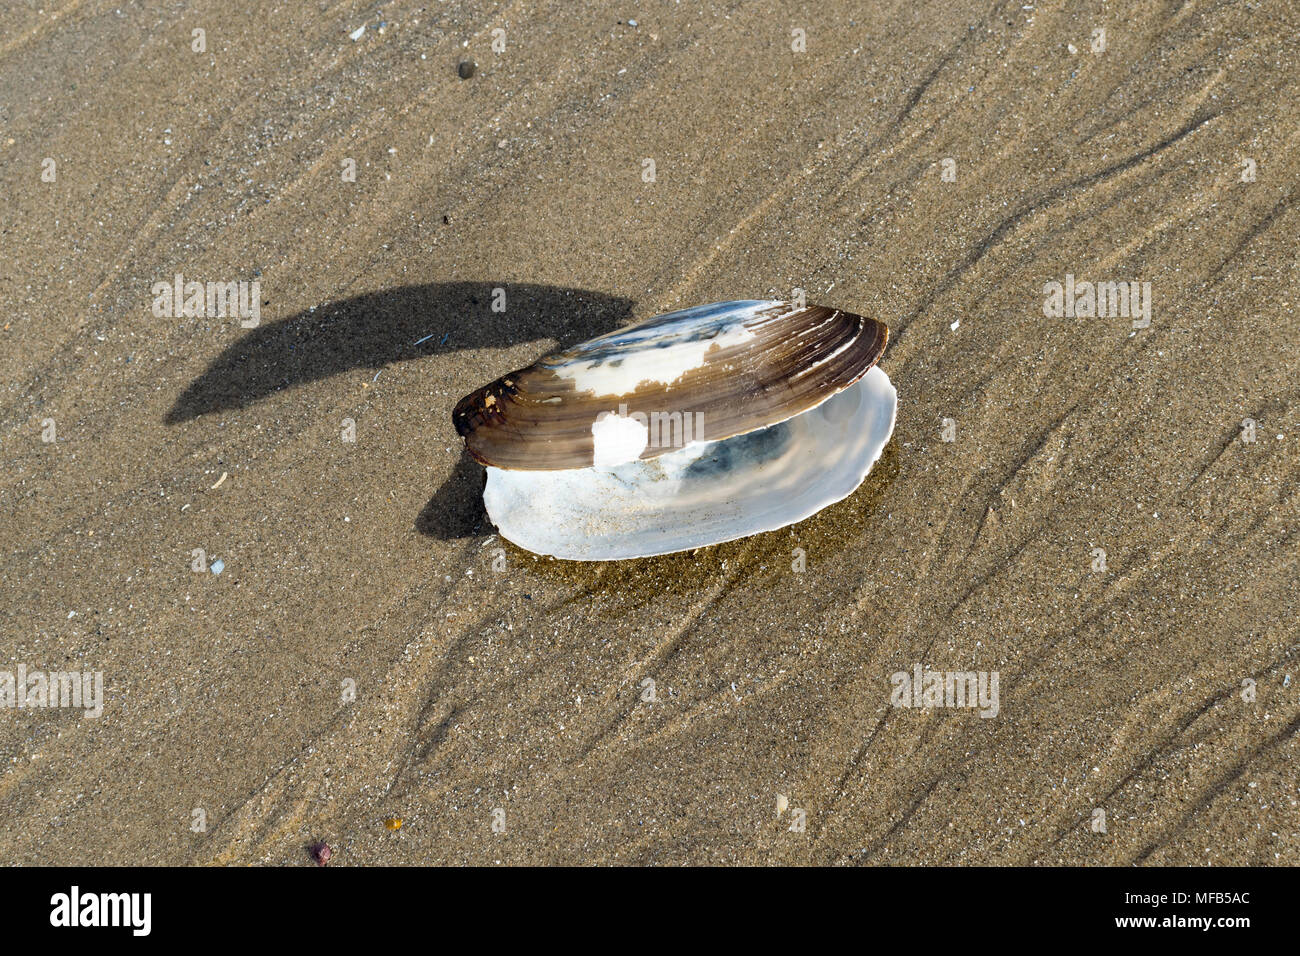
x=618 y=438
x=660 y=364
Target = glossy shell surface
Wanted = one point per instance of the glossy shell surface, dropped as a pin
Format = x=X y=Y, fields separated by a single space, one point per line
x=704 y=374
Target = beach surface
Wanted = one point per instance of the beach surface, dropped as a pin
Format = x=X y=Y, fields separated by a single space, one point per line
x=1099 y=512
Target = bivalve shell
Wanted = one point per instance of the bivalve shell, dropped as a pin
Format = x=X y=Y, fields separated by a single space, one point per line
x=689 y=429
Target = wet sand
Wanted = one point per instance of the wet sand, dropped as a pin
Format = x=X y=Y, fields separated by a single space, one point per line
x=358 y=659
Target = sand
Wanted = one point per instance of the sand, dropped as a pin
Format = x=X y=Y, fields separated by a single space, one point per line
x=363 y=657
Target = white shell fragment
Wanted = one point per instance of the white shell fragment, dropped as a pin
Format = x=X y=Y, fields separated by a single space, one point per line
x=618 y=439
x=703 y=494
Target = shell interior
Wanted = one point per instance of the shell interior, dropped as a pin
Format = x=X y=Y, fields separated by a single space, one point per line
x=701 y=494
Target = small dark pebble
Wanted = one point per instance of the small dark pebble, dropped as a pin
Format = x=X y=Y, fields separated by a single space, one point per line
x=466 y=69
x=321 y=853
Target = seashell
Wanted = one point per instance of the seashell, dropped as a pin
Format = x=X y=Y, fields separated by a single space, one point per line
x=685 y=430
